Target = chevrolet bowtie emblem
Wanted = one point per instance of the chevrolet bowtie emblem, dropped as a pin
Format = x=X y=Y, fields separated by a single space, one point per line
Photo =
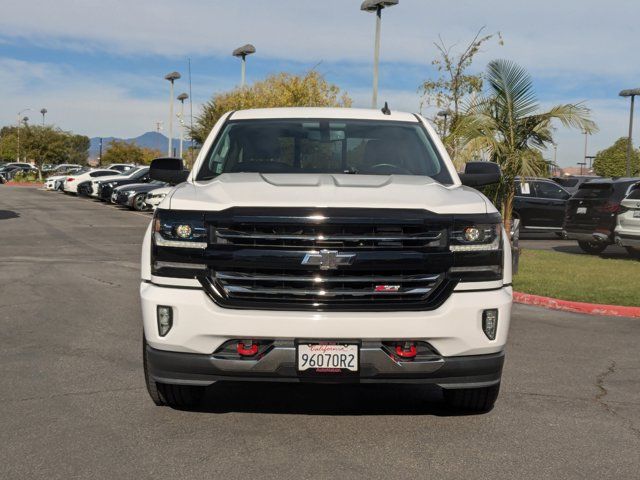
x=328 y=259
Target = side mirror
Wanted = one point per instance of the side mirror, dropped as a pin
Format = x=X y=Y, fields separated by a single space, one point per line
x=479 y=174
x=169 y=170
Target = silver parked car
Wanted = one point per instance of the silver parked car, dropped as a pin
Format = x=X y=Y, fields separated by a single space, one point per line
x=627 y=233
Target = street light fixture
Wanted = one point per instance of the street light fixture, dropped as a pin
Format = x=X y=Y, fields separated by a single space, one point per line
x=172 y=77
x=630 y=93
x=586 y=137
x=444 y=114
x=182 y=97
x=43 y=112
x=242 y=52
x=376 y=6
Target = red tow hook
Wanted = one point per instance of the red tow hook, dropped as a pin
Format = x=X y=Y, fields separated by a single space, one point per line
x=247 y=349
x=408 y=350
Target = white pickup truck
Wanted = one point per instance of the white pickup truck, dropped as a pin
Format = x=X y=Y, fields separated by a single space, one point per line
x=325 y=245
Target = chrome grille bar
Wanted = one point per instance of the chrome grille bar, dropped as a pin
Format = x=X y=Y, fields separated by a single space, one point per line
x=352 y=292
x=233 y=234
x=261 y=277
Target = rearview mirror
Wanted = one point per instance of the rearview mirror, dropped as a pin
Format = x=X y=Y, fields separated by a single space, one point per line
x=169 y=170
x=479 y=174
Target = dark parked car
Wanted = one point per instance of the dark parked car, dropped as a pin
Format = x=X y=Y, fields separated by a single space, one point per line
x=10 y=170
x=133 y=195
x=540 y=204
x=106 y=188
x=591 y=213
x=572 y=183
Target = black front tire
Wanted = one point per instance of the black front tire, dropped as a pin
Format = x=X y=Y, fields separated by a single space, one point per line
x=475 y=400
x=183 y=397
x=592 y=248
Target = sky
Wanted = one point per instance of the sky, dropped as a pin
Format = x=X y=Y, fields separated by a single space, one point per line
x=98 y=66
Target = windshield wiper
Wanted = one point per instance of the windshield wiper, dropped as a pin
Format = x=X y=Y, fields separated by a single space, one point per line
x=351 y=171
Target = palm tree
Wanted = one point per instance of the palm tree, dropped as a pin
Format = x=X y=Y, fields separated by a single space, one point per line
x=506 y=127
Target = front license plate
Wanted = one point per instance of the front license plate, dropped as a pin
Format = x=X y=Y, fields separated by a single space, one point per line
x=581 y=210
x=328 y=357
x=636 y=214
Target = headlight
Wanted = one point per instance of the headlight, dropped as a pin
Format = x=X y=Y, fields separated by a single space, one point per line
x=473 y=238
x=179 y=229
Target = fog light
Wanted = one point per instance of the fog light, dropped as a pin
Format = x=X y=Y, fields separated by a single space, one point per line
x=490 y=323
x=183 y=231
x=165 y=320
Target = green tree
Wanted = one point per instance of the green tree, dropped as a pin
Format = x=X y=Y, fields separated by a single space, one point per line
x=452 y=86
x=280 y=90
x=78 y=148
x=42 y=145
x=8 y=144
x=612 y=161
x=507 y=127
x=149 y=154
x=120 y=151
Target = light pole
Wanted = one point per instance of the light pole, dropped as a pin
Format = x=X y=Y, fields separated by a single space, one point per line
x=242 y=52
x=630 y=93
x=20 y=120
x=43 y=112
x=172 y=77
x=586 y=137
x=182 y=97
x=444 y=114
x=376 y=7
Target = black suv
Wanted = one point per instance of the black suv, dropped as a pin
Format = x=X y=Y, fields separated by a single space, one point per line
x=138 y=176
x=539 y=204
x=591 y=212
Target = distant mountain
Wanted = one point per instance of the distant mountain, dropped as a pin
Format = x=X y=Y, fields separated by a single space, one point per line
x=154 y=140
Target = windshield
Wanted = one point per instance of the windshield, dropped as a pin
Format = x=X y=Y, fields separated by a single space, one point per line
x=365 y=147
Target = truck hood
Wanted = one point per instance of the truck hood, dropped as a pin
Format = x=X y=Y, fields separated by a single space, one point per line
x=325 y=190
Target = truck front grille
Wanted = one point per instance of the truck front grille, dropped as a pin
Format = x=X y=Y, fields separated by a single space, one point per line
x=293 y=289
x=351 y=236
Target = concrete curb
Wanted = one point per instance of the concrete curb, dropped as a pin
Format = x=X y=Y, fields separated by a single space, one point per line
x=576 y=307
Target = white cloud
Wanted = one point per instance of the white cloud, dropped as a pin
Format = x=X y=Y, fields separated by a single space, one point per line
x=568 y=37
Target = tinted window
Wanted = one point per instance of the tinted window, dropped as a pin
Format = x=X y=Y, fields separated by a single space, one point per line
x=622 y=188
x=324 y=146
x=635 y=194
x=567 y=182
x=100 y=174
x=549 y=190
x=594 y=190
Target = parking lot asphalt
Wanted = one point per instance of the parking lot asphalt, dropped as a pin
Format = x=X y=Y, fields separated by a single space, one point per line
x=73 y=402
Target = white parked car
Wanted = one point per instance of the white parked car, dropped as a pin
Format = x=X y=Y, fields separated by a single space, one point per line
x=325 y=245
x=627 y=232
x=55 y=182
x=71 y=182
x=155 y=197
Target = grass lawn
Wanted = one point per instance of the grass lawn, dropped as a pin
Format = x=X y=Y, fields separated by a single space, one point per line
x=583 y=278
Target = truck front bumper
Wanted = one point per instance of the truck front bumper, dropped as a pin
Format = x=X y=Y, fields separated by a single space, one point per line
x=279 y=365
